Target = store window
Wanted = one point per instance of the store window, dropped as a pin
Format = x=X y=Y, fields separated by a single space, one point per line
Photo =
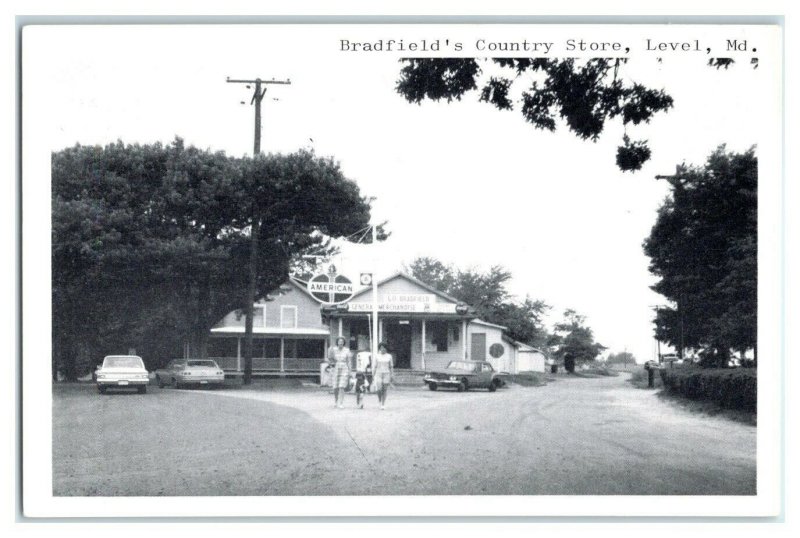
x=269 y=348
x=259 y=315
x=310 y=349
x=288 y=317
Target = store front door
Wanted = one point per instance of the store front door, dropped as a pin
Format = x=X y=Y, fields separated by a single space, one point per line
x=398 y=337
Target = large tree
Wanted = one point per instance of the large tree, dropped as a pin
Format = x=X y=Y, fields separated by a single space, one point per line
x=573 y=340
x=486 y=292
x=703 y=248
x=151 y=243
x=623 y=357
x=294 y=202
x=585 y=94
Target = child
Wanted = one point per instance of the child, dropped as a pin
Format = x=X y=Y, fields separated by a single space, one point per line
x=363 y=376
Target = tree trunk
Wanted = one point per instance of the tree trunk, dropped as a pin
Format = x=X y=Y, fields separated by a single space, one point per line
x=198 y=343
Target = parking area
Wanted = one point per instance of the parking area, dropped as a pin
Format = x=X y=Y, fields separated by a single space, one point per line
x=574 y=436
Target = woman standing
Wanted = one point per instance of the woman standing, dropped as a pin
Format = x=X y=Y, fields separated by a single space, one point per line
x=383 y=372
x=339 y=357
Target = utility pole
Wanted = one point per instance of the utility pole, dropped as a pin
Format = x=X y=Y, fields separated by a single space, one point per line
x=658 y=340
x=258 y=96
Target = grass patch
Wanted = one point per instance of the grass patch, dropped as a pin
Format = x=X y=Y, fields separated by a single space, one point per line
x=639 y=379
x=599 y=371
x=529 y=379
x=707 y=407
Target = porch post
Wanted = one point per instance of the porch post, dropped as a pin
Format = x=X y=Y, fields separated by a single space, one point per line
x=424 y=339
x=340 y=327
x=282 y=353
x=464 y=339
x=380 y=330
x=238 y=353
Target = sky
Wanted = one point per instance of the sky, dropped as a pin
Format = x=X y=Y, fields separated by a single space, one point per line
x=461 y=182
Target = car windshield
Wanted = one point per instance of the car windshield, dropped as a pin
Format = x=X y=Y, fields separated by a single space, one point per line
x=206 y=364
x=463 y=365
x=123 y=362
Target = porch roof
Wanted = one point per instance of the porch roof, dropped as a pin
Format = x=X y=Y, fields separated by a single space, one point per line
x=272 y=331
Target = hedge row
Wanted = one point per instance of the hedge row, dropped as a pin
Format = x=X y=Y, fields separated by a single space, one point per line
x=734 y=388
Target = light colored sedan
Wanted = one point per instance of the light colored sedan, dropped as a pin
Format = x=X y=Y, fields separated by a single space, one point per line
x=182 y=372
x=122 y=371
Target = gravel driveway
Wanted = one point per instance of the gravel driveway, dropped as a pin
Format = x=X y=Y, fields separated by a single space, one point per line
x=597 y=436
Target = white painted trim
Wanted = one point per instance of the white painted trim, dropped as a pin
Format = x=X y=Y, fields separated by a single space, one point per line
x=464 y=339
x=423 y=343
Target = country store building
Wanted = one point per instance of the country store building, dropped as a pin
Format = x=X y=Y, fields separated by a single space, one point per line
x=423 y=327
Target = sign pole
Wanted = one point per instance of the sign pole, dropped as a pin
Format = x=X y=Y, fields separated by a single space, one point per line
x=374 y=299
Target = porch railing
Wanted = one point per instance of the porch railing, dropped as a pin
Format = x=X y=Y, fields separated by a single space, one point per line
x=261 y=364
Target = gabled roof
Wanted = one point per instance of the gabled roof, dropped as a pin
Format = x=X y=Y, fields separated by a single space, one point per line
x=487 y=324
x=521 y=346
x=298 y=284
x=421 y=284
x=302 y=286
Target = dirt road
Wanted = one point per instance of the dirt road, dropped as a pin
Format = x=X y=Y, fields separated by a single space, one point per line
x=595 y=436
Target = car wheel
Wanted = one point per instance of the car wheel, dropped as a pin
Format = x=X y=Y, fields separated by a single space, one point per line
x=493 y=385
x=159 y=382
x=462 y=386
x=432 y=386
x=101 y=390
x=142 y=389
x=175 y=384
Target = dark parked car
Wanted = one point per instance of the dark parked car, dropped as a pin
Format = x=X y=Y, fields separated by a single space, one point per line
x=465 y=375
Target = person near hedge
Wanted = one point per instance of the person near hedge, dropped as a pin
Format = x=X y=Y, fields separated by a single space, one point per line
x=383 y=370
x=339 y=357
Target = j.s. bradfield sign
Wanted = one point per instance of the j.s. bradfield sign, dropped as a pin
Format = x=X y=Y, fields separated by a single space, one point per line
x=406 y=303
x=330 y=288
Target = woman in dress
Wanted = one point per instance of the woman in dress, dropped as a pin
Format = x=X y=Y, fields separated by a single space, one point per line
x=339 y=358
x=383 y=370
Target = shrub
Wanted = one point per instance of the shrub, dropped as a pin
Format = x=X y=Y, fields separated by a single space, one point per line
x=733 y=388
x=639 y=378
x=529 y=379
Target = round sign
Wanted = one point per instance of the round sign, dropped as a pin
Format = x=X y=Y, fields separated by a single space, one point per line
x=366 y=279
x=330 y=288
x=496 y=350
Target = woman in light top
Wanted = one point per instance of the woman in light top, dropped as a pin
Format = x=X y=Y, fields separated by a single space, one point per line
x=339 y=358
x=383 y=370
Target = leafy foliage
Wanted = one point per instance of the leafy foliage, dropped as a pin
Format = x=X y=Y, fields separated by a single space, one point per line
x=623 y=357
x=486 y=292
x=574 y=341
x=632 y=155
x=703 y=248
x=584 y=94
x=150 y=243
x=731 y=388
